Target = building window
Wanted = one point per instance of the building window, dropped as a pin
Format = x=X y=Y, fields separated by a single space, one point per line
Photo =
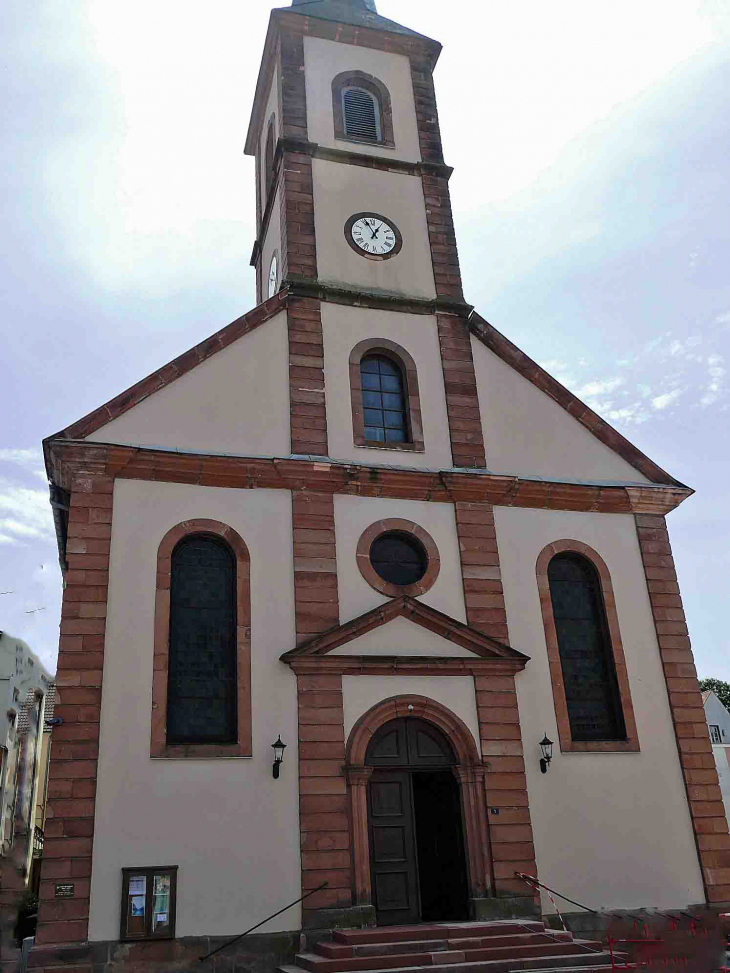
x=361 y=115
x=587 y=665
x=715 y=733
x=201 y=685
x=397 y=557
x=269 y=151
x=589 y=676
x=362 y=110
x=149 y=899
x=386 y=408
x=383 y=399
x=201 y=690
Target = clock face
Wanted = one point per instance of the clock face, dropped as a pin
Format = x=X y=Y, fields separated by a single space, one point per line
x=373 y=236
x=273 y=276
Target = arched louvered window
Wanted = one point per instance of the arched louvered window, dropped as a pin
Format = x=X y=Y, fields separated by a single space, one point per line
x=202 y=690
x=361 y=115
x=361 y=109
x=383 y=398
x=589 y=672
x=269 y=157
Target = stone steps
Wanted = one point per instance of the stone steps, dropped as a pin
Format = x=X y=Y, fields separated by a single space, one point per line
x=505 y=946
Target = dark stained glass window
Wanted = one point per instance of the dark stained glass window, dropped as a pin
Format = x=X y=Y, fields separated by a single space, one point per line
x=398 y=558
x=589 y=674
x=383 y=399
x=201 y=693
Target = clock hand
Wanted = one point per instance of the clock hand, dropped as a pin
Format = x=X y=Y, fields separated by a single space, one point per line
x=374 y=233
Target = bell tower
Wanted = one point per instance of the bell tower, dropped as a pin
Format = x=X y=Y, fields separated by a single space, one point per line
x=352 y=192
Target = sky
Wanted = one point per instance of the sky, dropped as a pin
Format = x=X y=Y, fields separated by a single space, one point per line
x=590 y=146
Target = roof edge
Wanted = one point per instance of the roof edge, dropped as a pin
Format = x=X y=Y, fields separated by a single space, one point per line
x=603 y=431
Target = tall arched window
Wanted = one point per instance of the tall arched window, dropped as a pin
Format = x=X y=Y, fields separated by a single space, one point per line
x=361 y=109
x=383 y=398
x=386 y=408
x=589 y=674
x=202 y=692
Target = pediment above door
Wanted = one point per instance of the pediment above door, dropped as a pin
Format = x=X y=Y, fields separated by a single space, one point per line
x=405 y=635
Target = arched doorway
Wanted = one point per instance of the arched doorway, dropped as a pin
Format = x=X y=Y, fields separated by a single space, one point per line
x=415 y=825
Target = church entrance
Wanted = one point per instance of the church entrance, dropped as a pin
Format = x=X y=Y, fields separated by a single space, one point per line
x=417 y=860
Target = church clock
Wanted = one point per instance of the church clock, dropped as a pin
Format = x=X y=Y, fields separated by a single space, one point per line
x=373 y=236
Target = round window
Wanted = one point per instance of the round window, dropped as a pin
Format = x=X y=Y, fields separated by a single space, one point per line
x=398 y=558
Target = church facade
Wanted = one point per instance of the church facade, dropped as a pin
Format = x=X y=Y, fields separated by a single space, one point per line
x=358 y=521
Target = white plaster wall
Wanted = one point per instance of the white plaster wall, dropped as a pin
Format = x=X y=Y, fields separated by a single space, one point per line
x=235 y=402
x=324 y=60
x=353 y=515
x=611 y=830
x=361 y=693
x=232 y=830
x=344 y=327
x=342 y=190
x=722 y=762
x=402 y=637
x=716 y=714
x=526 y=432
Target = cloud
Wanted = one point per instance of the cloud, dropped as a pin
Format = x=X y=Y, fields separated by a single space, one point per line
x=723 y=318
x=22 y=457
x=715 y=387
x=666 y=399
x=600 y=387
x=24 y=512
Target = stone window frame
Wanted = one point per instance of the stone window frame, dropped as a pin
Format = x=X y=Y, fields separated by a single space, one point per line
x=375 y=87
x=403 y=527
x=269 y=155
x=567 y=744
x=158 y=742
x=397 y=354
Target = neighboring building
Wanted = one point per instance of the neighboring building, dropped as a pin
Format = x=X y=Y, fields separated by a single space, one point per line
x=718 y=722
x=359 y=519
x=27 y=688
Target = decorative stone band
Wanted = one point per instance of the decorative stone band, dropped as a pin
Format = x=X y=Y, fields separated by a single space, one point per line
x=462 y=397
x=510 y=827
x=481 y=573
x=308 y=413
x=158 y=742
x=69 y=826
x=567 y=744
x=67 y=459
x=404 y=527
x=323 y=804
x=315 y=564
x=685 y=701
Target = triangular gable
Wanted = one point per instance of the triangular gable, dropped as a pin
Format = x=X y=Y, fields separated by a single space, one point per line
x=605 y=433
x=175 y=369
x=417 y=612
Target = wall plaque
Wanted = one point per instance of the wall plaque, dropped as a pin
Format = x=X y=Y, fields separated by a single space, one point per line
x=64 y=891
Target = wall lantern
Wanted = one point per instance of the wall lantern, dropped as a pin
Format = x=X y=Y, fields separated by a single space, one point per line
x=546 y=746
x=279 y=749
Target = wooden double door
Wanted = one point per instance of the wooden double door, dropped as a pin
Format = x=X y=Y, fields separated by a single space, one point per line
x=417 y=859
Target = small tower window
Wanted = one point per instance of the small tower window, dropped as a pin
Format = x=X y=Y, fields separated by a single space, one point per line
x=269 y=157
x=361 y=114
x=398 y=558
x=383 y=400
x=361 y=109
